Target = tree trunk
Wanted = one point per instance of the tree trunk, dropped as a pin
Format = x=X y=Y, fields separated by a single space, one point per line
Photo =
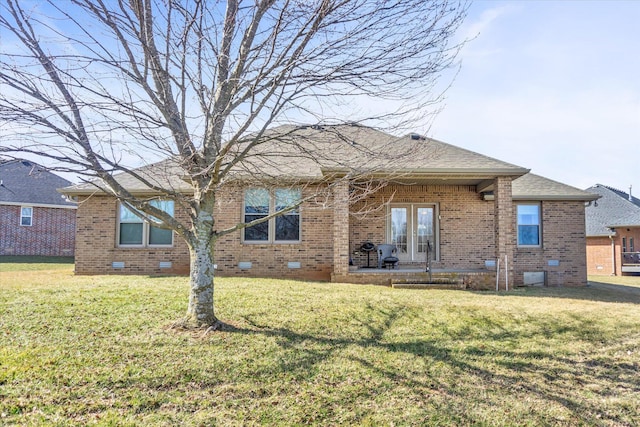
x=200 y=311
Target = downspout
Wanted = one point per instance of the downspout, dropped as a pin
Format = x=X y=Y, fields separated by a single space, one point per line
x=613 y=255
x=497 y=274
x=506 y=273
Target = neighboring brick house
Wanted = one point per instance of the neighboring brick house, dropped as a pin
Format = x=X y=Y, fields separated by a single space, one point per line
x=35 y=219
x=613 y=232
x=473 y=212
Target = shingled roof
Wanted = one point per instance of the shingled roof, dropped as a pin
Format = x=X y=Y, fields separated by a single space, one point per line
x=321 y=150
x=536 y=187
x=613 y=209
x=310 y=153
x=25 y=182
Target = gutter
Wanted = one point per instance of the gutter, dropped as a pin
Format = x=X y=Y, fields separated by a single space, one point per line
x=542 y=197
x=40 y=205
x=445 y=173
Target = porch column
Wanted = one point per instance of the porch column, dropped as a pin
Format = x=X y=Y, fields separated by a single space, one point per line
x=504 y=229
x=341 y=229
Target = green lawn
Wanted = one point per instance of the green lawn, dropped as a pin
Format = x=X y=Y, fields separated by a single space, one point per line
x=97 y=350
x=21 y=263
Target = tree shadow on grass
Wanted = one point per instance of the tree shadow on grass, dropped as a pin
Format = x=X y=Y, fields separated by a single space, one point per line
x=594 y=291
x=488 y=367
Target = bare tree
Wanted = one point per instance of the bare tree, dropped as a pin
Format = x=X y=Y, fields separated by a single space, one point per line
x=101 y=87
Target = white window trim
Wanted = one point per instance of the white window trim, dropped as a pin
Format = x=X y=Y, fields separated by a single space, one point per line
x=145 y=235
x=149 y=245
x=25 y=216
x=539 y=205
x=271 y=233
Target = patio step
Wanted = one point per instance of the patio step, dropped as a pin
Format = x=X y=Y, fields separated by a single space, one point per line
x=435 y=283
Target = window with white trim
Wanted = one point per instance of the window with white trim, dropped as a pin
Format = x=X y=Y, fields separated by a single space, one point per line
x=26 y=216
x=529 y=224
x=259 y=203
x=133 y=231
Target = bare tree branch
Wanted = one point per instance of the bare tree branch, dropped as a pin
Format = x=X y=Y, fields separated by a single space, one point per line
x=187 y=98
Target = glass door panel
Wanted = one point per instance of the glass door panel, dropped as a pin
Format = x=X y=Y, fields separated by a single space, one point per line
x=399 y=231
x=423 y=231
x=412 y=228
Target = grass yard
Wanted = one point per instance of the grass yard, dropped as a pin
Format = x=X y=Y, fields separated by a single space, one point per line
x=97 y=351
x=17 y=263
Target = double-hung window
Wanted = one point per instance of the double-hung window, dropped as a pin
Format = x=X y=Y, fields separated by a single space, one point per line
x=260 y=203
x=529 y=224
x=26 y=216
x=134 y=231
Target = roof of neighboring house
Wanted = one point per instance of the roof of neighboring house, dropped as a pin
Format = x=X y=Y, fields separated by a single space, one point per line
x=25 y=182
x=613 y=209
x=313 y=152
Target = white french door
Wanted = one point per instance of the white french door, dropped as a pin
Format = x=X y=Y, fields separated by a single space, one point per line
x=411 y=227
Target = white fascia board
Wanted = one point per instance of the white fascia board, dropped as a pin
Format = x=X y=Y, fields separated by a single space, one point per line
x=38 y=205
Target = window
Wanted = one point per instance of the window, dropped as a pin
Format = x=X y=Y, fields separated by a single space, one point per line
x=287 y=225
x=528 y=225
x=624 y=244
x=26 y=216
x=134 y=231
x=259 y=203
x=256 y=206
x=631 y=244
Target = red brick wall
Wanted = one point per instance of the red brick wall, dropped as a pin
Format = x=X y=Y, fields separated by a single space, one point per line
x=599 y=256
x=466 y=231
x=52 y=232
x=505 y=214
x=466 y=224
x=97 y=250
x=563 y=240
x=314 y=252
x=628 y=233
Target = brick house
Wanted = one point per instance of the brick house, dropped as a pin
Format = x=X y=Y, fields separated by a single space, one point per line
x=472 y=213
x=35 y=219
x=613 y=232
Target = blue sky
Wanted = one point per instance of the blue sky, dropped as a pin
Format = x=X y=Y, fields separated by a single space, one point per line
x=553 y=86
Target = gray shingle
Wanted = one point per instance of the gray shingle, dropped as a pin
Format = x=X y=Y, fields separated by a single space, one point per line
x=26 y=182
x=166 y=174
x=312 y=152
x=613 y=209
x=309 y=153
x=536 y=187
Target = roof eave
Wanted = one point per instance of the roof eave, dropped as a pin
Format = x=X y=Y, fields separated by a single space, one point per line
x=70 y=191
x=554 y=197
x=432 y=173
x=41 y=205
x=613 y=234
x=623 y=225
x=468 y=172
